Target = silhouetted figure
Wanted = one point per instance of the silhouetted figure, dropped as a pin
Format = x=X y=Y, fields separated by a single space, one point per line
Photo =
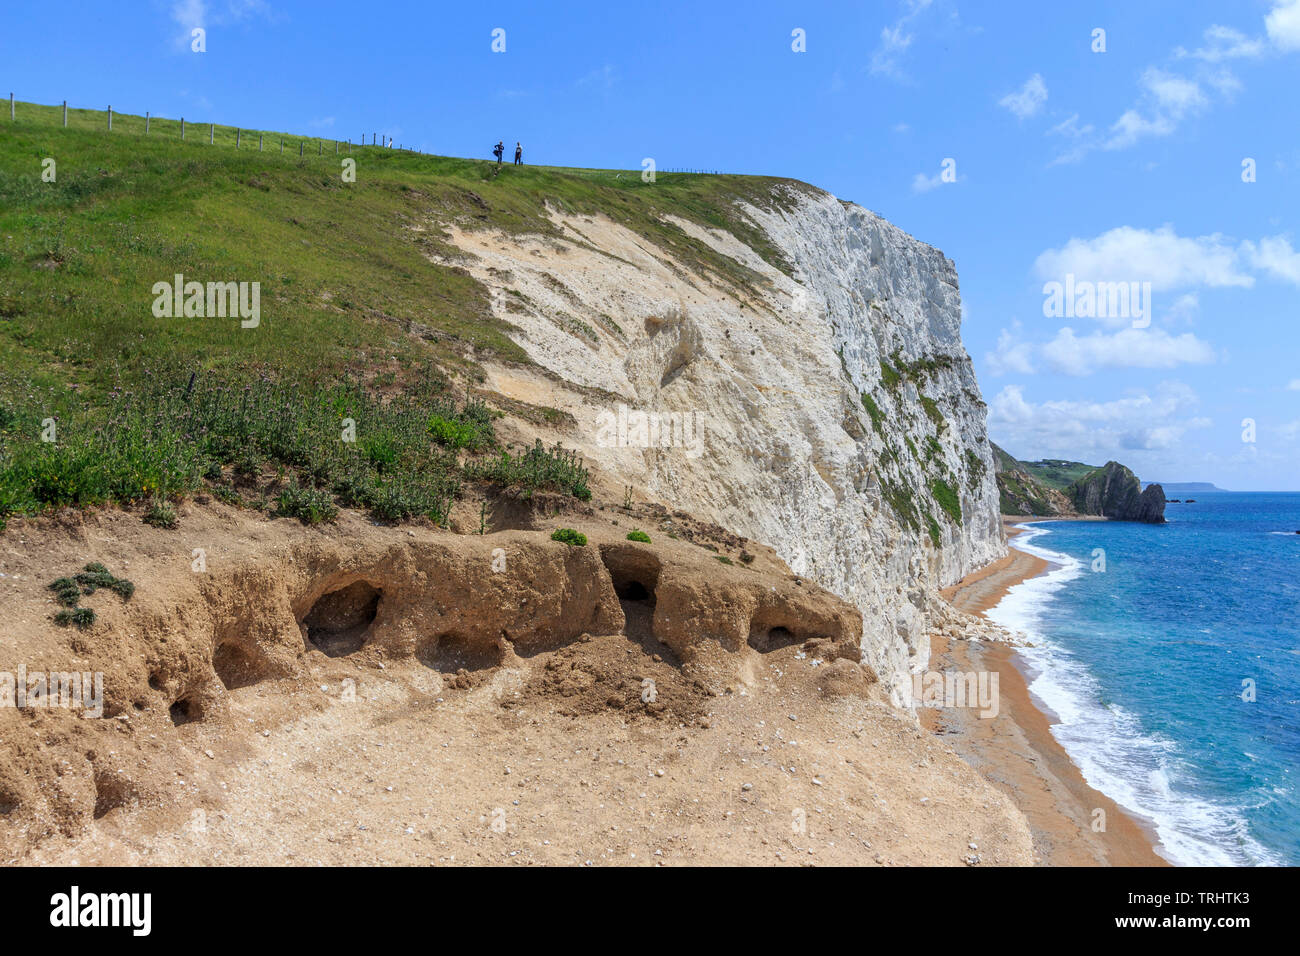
x=519 y=154
x=499 y=150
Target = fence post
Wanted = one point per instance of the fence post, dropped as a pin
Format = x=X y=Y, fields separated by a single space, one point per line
x=146 y=122
x=336 y=147
x=212 y=133
x=11 y=106
x=237 y=132
x=182 y=127
x=110 y=117
x=282 y=144
x=65 y=113
x=259 y=142
x=320 y=148
x=300 y=142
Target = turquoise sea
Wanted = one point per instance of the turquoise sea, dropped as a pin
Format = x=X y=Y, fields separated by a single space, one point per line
x=1174 y=668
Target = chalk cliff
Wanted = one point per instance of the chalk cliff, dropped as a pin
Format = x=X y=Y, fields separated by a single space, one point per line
x=824 y=405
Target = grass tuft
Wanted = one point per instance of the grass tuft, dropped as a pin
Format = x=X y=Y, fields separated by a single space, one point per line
x=570 y=537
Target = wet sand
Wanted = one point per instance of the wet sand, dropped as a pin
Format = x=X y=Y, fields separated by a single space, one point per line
x=1016 y=750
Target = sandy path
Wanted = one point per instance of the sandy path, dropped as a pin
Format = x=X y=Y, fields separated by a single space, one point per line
x=453 y=777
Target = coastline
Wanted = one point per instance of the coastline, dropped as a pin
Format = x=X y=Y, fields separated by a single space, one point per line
x=1015 y=750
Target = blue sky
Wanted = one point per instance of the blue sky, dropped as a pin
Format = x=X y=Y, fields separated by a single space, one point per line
x=1123 y=165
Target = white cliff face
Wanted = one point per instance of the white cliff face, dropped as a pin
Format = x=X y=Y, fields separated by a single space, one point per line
x=881 y=499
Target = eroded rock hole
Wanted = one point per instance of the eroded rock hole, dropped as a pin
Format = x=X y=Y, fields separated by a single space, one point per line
x=236 y=666
x=633 y=591
x=112 y=791
x=634 y=572
x=184 y=711
x=337 y=623
x=453 y=652
x=768 y=639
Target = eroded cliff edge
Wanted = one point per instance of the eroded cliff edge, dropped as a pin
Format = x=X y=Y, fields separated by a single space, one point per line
x=824 y=405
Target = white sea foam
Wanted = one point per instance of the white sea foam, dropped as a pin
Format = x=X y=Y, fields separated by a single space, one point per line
x=1138 y=770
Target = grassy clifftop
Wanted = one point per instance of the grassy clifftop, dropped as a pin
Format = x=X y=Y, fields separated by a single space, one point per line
x=356 y=279
x=344 y=270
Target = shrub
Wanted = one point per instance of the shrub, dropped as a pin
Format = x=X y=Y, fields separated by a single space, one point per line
x=536 y=469
x=638 y=535
x=308 y=505
x=82 y=617
x=168 y=439
x=575 y=539
x=229 y=495
x=66 y=591
x=88 y=580
x=161 y=515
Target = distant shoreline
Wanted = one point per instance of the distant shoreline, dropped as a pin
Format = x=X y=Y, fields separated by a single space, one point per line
x=1016 y=750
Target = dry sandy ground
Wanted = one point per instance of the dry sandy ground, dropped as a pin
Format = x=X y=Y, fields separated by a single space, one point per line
x=1016 y=749
x=548 y=756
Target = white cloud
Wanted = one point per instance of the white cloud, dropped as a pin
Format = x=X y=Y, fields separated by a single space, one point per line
x=1011 y=354
x=1293 y=385
x=921 y=183
x=1078 y=135
x=1070 y=128
x=188 y=14
x=1283 y=24
x=1184 y=308
x=1073 y=354
x=1166 y=100
x=1159 y=256
x=1070 y=353
x=1028 y=100
x=1091 y=430
x=1225 y=83
x=1176 y=95
x=1223 y=43
x=1275 y=256
x=895 y=41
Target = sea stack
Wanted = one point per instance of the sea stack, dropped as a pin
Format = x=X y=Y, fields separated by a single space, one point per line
x=1115 y=492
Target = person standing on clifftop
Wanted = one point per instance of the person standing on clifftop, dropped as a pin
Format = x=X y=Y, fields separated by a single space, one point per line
x=499 y=150
x=519 y=154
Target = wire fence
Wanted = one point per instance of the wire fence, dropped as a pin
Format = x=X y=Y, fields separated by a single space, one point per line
x=191 y=131
x=216 y=134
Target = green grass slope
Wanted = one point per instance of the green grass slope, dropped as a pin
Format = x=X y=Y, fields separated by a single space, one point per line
x=1057 y=473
